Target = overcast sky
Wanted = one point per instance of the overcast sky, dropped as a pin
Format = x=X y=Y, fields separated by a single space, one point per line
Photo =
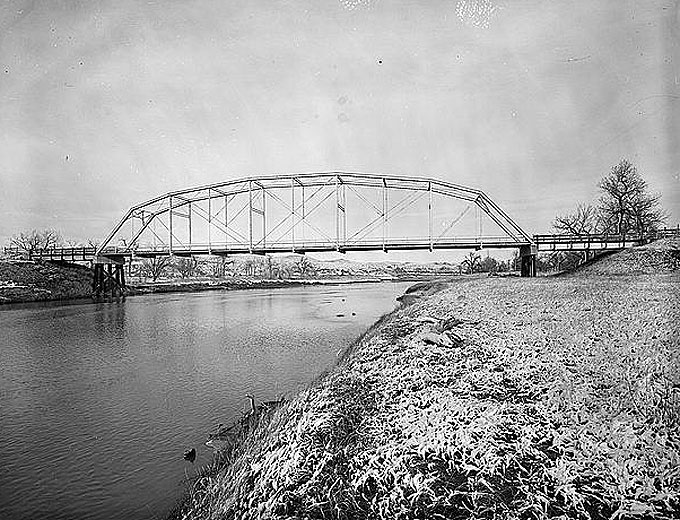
x=104 y=104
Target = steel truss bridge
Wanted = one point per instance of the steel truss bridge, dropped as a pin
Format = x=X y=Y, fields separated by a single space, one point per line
x=318 y=212
x=315 y=212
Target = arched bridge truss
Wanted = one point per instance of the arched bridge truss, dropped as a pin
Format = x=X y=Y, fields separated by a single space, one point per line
x=313 y=212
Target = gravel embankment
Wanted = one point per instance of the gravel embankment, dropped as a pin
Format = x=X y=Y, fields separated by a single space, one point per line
x=492 y=398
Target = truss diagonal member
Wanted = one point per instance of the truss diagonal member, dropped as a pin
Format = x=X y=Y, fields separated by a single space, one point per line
x=172 y=234
x=302 y=222
x=153 y=232
x=314 y=194
x=218 y=224
x=305 y=218
x=145 y=226
x=238 y=213
x=455 y=221
x=405 y=203
x=358 y=194
x=270 y=232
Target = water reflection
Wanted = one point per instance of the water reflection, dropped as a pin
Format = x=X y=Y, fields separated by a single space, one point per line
x=99 y=400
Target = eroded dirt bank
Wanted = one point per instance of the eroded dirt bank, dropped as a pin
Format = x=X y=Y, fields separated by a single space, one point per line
x=490 y=398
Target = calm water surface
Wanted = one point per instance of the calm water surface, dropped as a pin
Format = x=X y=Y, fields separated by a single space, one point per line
x=99 y=401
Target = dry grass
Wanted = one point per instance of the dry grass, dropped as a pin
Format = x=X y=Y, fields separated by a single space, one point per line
x=24 y=281
x=545 y=398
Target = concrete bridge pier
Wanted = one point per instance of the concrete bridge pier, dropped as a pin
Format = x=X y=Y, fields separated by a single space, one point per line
x=527 y=256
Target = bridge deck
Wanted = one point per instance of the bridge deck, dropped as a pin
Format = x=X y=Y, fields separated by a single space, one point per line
x=116 y=254
x=542 y=243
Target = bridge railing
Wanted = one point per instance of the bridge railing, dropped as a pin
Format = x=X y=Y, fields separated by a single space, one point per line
x=581 y=241
x=666 y=232
x=53 y=253
x=84 y=253
x=302 y=245
x=590 y=237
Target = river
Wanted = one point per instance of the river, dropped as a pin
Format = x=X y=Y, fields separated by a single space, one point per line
x=98 y=401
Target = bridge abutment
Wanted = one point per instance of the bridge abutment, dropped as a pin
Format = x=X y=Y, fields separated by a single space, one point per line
x=527 y=256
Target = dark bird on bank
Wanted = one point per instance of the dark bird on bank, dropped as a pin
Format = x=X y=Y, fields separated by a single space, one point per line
x=190 y=455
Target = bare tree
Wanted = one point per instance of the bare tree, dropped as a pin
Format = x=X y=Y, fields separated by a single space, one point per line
x=583 y=220
x=306 y=267
x=488 y=265
x=471 y=262
x=626 y=205
x=33 y=241
x=269 y=267
x=155 y=267
x=221 y=266
x=186 y=267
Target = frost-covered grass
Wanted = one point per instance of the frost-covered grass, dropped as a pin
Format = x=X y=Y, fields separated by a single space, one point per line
x=492 y=398
x=25 y=281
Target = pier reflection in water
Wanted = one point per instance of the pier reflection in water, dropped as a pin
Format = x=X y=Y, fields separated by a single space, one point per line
x=99 y=401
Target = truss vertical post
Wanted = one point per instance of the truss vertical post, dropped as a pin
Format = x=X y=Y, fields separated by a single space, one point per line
x=226 y=222
x=340 y=215
x=479 y=216
x=337 y=213
x=154 y=229
x=189 y=219
x=264 y=218
x=304 y=216
x=384 y=213
x=429 y=214
x=209 y=221
x=250 y=216
x=292 y=213
x=344 y=213
x=170 y=226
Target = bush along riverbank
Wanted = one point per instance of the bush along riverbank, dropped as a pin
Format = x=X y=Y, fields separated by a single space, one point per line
x=483 y=398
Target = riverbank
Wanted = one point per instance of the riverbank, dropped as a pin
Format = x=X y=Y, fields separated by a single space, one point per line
x=23 y=281
x=492 y=398
x=239 y=284
x=27 y=281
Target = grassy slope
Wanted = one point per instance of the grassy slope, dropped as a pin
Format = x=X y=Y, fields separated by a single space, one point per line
x=30 y=281
x=547 y=397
